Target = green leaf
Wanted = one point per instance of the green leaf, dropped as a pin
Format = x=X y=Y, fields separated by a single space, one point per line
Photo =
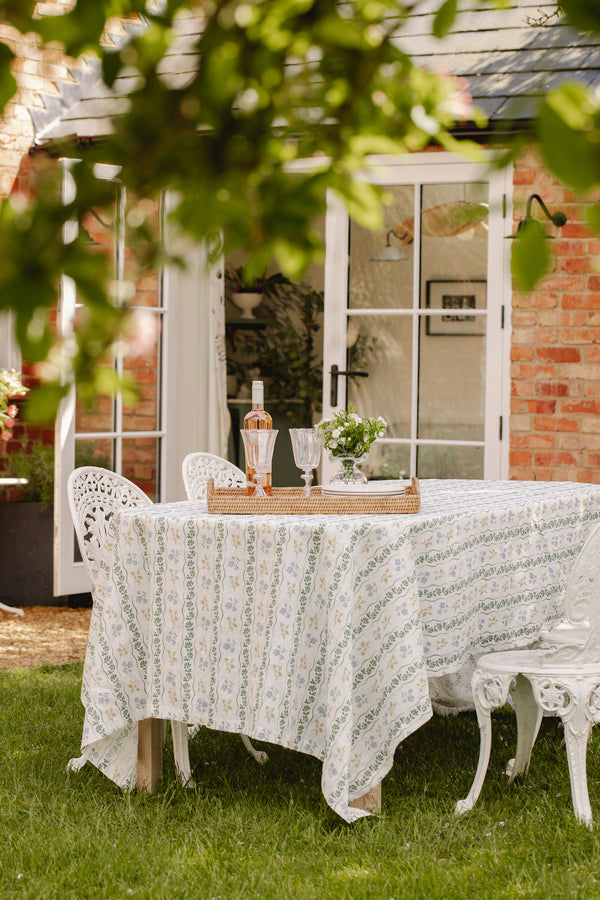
x=43 y=402
x=584 y=14
x=8 y=85
x=592 y=215
x=444 y=18
x=569 y=152
x=530 y=255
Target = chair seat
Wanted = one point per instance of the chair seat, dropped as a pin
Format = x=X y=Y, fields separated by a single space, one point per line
x=533 y=662
x=563 y=633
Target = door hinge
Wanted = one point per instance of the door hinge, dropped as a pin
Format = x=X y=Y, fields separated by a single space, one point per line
x=500 y=428
x=502 y=317
x=504 y=205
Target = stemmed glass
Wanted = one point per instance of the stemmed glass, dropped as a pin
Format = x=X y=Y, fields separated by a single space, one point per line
x=258 y=445
x=306 y=445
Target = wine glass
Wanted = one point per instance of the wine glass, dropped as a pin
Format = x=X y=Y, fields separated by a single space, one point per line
x=306 y=445
x=258 y=446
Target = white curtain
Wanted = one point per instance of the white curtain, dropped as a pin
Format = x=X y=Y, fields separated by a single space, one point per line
x=197 y=417
x=10 y=356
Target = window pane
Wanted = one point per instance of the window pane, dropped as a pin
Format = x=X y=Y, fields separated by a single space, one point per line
x=382 y=346
x=387 y=461
x=453 y=238
x=144 y=369
x=143 y=282
x=140 y=463
x=451 y=386
x=98 y=416
x=383 y=282
x=437 y=461
x=96 y=452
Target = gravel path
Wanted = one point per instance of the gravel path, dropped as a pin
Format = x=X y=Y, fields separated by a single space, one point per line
x=45 y=634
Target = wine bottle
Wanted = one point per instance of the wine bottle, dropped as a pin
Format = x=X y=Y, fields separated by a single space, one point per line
x=258 y=417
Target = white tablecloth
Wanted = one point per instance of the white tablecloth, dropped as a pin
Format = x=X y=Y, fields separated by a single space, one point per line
x=318 y=633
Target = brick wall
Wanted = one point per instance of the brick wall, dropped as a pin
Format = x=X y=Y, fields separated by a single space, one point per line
x=555 y=351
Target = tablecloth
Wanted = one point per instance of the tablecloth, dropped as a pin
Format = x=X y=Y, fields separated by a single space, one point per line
x=318 y=633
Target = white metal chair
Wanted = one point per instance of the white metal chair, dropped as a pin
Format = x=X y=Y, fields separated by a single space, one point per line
x=563 y=680
x=94 y=495
x=198 y=467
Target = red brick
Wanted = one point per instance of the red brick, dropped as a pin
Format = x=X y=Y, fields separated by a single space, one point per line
x=559 y=458
x=534 y=441
x=558 y=354
x=531 y=371
x=575 y=264
x=520 y=458
x=587 y=477
x=521 y=354
x=580 y=301
x=580 y=336
x=589 y=407
x=551 y=423
x=551 y=389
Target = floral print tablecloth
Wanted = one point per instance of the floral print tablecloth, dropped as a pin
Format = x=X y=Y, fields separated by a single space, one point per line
x=319 y=633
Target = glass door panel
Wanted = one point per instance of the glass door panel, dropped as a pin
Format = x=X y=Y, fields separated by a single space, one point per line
x=382 y=347
x=449 y=461
x=381 y=262
x=451 y=404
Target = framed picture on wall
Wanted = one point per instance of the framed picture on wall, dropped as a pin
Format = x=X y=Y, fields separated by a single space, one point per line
x=455 y=299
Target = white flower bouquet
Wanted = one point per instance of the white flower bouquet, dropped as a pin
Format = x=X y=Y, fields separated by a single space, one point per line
x=347 y=434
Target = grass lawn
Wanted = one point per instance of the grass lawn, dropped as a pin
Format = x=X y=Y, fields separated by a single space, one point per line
x=266 y=832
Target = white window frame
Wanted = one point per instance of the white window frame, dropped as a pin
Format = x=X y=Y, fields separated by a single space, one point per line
x=423 y=169
x=70 y=576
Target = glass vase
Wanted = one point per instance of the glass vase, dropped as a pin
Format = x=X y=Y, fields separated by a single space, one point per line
x=348 y=473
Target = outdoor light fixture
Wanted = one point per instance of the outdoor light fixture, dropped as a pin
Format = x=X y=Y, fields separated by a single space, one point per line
x=389 y=253
x=87 y=236
x=558 y=218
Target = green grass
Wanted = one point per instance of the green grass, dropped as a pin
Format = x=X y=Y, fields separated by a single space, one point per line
x=266 y=832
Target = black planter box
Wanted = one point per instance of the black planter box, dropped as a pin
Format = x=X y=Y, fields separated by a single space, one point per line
x=26 y=557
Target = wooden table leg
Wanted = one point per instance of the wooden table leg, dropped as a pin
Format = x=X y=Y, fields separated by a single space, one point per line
x=149 y=755
x=371 y=801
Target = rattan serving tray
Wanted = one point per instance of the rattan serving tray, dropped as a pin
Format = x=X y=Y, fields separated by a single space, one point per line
x=289 y=501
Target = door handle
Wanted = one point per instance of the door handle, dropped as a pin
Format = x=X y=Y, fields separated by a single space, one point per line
x=335 y=372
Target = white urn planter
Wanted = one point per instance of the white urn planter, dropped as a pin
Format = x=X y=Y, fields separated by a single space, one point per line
x=247 y=301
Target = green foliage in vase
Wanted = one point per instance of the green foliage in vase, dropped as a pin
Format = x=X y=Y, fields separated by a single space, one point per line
x=347 y=434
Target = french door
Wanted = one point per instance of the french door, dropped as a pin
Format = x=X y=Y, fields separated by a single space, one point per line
x=124 y=437
x=416 y=324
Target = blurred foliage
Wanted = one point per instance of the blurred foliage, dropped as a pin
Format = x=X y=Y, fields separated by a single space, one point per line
x=275 y=82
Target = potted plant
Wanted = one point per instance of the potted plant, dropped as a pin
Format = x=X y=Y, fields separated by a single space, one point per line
x=27 y=524
x=286 y=350
x=246 y=289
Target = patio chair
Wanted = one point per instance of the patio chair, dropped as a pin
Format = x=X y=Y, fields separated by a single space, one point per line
x=198 y=467
x=563 y=680
x=94 y=495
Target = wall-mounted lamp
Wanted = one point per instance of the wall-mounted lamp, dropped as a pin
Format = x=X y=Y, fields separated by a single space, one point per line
x=558 y=218
x=389 y=253
x=87 y=236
